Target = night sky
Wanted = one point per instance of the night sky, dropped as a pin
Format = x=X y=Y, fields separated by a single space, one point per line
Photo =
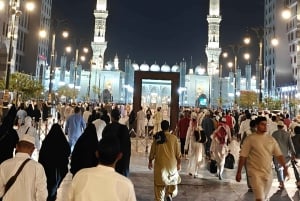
x=161 y=30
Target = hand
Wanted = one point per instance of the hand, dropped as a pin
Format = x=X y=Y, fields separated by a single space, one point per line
x=238 y=176
x=150 y=166
x=178 y=167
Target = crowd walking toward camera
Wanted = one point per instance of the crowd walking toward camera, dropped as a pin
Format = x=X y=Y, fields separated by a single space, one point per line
x=78 y=141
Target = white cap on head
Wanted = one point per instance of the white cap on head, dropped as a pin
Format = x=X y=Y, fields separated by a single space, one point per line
x=280 y=123
x=27 y=138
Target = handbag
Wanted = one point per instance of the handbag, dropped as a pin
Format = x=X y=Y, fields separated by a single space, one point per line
x=12 y=180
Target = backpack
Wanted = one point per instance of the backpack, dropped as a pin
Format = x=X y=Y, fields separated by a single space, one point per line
x=229 y=161
x=160 y=137
x=221 y=134
x=212 y=166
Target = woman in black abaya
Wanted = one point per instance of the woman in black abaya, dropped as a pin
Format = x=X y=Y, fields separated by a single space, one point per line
x=84 y=153
x=8 y=135
x=54 y=156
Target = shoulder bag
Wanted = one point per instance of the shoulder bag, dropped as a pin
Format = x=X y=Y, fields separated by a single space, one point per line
x=12 y=180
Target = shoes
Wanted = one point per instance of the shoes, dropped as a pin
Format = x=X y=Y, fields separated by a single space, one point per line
x=250 y=190
x=190 y=174
x=169 y=198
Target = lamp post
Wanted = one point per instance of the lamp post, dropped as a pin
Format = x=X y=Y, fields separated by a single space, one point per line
x=223 y=55
x=14 y=12
x=259 y=32
x=235 y=50
x=65 y=34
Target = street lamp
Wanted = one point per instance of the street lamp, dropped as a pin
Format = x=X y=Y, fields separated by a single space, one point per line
x=65 y=34
x=14 y=13
x=259 y=31
x=235 y=50
x=223 y=55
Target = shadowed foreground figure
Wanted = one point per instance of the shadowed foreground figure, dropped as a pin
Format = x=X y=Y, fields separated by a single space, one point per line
x=54 y=156
x=121 y=132
x=103 y=183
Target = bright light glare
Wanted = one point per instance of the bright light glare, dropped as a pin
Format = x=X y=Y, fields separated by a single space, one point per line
x=65 y=34
x=286 y=14
x=247 y=56
x=85 y=50
x=68 y=49
x=2 y=5
x=225 y=54
x=247 y=40
x=230 y=64
x=274 y=41
x=82 y=58
x=30 y=6
x=42 y=33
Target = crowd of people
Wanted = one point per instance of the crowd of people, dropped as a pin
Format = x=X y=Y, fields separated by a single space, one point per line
x=94 y=140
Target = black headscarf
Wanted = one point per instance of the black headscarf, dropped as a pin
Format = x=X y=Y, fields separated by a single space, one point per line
x=84 y=153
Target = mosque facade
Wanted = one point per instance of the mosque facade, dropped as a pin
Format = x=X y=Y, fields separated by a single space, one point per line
x=199 y=86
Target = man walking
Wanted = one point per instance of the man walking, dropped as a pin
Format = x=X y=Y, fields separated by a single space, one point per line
x=102 y=183
x=121 y=132
x=166 y=153
x=140 y=123
x=74 y=127
x=257 y=151
x=285 y=143
x=30 y=184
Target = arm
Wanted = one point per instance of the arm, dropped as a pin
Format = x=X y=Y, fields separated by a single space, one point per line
x=241 y=164
x=281 y=161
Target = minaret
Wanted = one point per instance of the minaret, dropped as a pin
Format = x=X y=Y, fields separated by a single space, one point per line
x=99 y=44
x=213 y=49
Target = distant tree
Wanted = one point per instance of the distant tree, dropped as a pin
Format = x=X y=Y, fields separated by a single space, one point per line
x=272 y=104
x=24 y=84
x=248 y=99
x=68 y=92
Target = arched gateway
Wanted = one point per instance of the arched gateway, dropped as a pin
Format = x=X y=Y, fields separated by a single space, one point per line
x=139 y=76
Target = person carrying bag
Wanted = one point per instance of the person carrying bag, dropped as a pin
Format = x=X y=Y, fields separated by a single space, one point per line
x=12 y=180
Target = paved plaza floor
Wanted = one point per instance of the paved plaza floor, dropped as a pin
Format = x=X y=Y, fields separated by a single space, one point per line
x=206 y=187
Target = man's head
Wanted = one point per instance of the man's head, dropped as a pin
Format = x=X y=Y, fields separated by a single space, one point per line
x=165 y=125
x=261 y=124
x=26 y=144
x=280 y=125
x=76 y=109
x=115 y=114
x=109 y=151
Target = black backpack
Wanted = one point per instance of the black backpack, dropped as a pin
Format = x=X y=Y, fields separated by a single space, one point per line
x=229 y=161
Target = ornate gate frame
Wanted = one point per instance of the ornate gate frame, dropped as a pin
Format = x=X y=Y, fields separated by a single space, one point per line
x=173 y=77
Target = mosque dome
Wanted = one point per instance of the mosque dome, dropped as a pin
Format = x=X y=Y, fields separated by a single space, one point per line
x=135 y=66
x=154 y=67
x=165 y=68
x=175 y=68
x=199 y=70
x=109 y=65
x=144 y=67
